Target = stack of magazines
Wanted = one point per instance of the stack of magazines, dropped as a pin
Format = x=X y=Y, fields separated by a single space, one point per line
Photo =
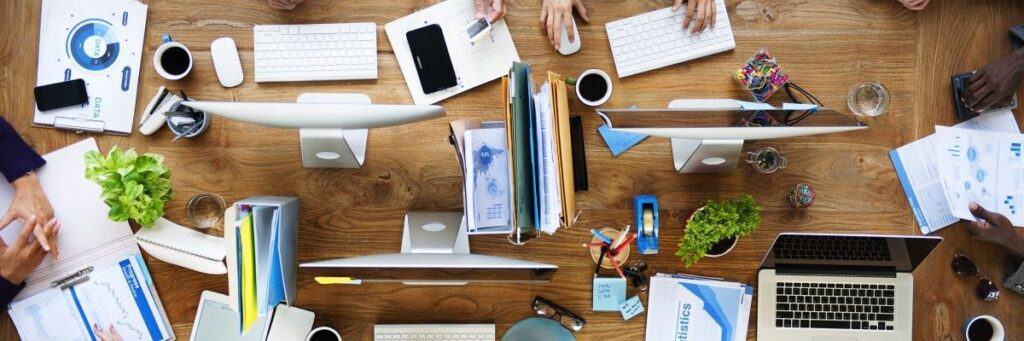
x=685 y=307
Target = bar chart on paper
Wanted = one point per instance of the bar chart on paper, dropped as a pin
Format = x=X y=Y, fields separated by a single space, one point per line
x=986 y=168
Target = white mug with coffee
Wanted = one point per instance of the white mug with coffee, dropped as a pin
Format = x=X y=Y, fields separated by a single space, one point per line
x=172 y=59
x=984 y=328
x=323 y=333
x=593 y=87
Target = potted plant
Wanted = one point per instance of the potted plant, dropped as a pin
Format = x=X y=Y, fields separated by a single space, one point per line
x=134 y=186
x=714 y=229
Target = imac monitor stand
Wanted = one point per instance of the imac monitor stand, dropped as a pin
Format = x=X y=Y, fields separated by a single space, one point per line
x=435 y=251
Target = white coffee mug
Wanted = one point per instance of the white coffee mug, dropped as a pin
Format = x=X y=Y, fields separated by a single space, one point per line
x=323 y=328
x=998 y=332
x=159 y=53
x=607 y=93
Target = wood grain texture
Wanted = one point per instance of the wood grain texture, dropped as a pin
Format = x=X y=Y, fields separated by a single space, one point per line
x=826 y=46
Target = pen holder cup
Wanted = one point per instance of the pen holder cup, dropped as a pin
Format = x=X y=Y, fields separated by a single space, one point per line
x=761 y=76
x=621 y=258
x=185 y=130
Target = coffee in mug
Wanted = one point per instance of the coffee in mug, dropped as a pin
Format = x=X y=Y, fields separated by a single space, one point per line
x=172 y=59
x=593 y=87
x=324 y=333
x=984 y=328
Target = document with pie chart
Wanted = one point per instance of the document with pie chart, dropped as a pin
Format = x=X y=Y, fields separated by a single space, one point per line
x=100 y=42
x=982 y=167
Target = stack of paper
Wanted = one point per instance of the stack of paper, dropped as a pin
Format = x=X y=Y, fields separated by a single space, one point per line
x=540 y=149
x=920 y=168
x=684 y=307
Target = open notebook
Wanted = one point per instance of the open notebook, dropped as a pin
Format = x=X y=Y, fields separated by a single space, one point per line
x=90 y=246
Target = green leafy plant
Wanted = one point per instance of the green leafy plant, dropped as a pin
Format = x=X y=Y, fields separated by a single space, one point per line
x=134 y=186
x=718 y=221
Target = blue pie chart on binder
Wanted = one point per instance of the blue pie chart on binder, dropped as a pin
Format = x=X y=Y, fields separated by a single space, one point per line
x=93 y=45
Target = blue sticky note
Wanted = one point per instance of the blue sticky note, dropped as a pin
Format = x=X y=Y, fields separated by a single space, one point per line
x=619 y=142
x=631 y=307
x=609 y=293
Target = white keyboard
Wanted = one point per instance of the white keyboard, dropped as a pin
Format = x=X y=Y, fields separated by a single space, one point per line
x=657 y=39
x=315 y=52
x=420 y=332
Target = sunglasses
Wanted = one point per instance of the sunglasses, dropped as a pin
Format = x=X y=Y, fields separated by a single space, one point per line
x=550 y=310
x=799 y=95
x=964 y=267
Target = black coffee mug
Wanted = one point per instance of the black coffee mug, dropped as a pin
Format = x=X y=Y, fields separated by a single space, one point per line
x=984 y=328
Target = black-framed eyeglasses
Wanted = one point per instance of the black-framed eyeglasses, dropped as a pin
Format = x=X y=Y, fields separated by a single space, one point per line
x=964 y=267
x=550 y=310
x=799 y=95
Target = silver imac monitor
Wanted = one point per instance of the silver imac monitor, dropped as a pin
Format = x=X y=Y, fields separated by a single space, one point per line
x=708 y=135
x=435 y=251
x=333 y=128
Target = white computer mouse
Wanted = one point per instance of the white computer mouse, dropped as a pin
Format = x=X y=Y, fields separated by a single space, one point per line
x=226 y=62
x=565 y=47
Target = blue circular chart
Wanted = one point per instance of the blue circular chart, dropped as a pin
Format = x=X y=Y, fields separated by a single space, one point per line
x=93 y=45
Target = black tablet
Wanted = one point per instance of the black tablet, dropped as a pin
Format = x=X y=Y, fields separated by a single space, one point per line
x=430 y=56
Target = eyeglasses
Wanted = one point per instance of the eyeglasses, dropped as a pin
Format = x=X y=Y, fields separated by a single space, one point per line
x=801 y=96
x=550 y=310
x=964 y=267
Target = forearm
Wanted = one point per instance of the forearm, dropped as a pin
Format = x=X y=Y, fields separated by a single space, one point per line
x=16 y=157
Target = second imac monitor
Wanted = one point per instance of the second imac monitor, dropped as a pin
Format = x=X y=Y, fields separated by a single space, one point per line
x=708 y=135
x=333 y=128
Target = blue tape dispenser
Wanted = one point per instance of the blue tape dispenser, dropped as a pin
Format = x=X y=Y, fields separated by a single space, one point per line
x=646 y=207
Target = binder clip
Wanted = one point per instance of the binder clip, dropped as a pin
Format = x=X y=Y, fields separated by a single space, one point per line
x=646 y=207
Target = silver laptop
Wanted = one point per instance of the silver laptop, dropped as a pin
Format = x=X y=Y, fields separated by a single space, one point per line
x=839 y=286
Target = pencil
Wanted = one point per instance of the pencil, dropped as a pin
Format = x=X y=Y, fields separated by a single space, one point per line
x=616 y=250
x=601 y=244
x=617 y=267
x=600 y=259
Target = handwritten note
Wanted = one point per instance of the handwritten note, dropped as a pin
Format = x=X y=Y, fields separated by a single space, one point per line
x=631 y=307
x=609 y=293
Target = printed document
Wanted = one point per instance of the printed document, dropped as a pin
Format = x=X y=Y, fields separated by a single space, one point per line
x=487 y=180
x=982 y=167
x=917 y=167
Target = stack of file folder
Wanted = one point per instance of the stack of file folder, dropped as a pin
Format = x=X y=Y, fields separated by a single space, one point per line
x=685 y=307
x=261 y=234
x=540 y=154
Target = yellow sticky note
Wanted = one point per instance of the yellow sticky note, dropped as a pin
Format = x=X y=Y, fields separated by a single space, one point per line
x=333 y=280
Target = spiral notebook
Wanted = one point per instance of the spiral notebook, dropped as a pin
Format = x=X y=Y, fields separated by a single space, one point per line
x=183 y=247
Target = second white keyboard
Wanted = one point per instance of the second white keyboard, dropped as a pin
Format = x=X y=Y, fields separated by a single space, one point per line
x=657 y=39
x=315 y=52
x=419 y=332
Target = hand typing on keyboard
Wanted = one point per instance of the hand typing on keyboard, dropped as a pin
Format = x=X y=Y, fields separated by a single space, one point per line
x=494 y=9
x=555 y=13
x=702 y=12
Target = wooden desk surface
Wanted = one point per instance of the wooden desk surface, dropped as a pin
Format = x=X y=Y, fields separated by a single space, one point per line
x=827 y=46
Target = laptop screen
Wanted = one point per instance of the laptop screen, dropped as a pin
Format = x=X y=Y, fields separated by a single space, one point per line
x=837 y=252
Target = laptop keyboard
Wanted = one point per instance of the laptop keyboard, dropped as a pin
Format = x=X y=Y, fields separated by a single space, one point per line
x=834 y=306
x=832 y=248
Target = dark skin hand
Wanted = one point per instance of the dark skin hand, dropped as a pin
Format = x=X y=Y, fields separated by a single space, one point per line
x=995 y=228
x=994 y=84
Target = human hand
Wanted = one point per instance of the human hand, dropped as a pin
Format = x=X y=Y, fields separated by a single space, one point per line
x=29 y=200
x=916 y=5
x=555 y=13
x=19 y=260
x=496 y=11
x=997 y=229
x=703 y=10
x=109 y=335
x=284 y=4
x=995 y=83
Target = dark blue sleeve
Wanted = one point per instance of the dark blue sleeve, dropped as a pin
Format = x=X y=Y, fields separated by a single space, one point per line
x=7 y=292
x=16 y=157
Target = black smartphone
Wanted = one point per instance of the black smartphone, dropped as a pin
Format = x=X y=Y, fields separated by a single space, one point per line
x=430 y=54
x=60 y=95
